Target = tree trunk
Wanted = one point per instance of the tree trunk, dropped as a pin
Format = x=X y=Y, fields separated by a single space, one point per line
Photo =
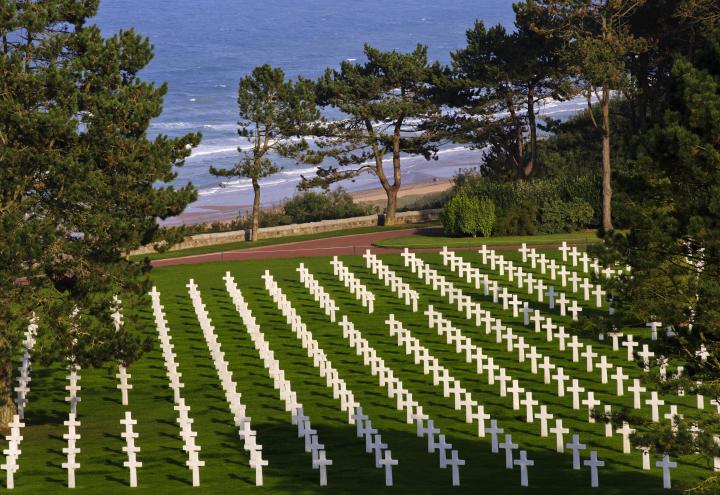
x=606 y=170
x=391 y=208
x=7 y=405
x=532 y=122
x=519 y=141
x=392 y=190
x=255 y=211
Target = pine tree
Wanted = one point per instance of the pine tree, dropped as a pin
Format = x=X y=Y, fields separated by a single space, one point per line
x=599 y=42
x=273 y=112
x=506 y=73
x=78 y=182
x=388 y=110
x=673 y=245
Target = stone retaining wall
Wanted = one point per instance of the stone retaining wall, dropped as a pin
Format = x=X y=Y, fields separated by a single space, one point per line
x=199 y=240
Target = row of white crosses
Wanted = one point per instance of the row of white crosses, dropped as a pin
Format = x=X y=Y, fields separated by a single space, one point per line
x=194 y=463
x=464 y=302
x=604 y=366
x=280 y=383
x=392 y=280
x=405 y=402
x=645 y=354
x=122 y=375
x=14 y=439
x=72 y=436
x=582 y=259
x=128 y=434
x=23 y=380
x=474 y=411
x=340 y=390
x=352 y=283
x=535 y=286
x=525 y=350
x=430 y=365
x=321 y=297
x=229 y=385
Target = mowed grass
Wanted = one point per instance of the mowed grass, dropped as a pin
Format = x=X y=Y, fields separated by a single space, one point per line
x=437 y=240
x=353 y=472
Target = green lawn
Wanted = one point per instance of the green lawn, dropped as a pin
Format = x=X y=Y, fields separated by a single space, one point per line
x=289 y=471
x=217 y=248
x=438 y=241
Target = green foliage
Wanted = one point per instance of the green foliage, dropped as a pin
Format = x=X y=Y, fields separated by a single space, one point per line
x=486 y=216
x=314 y=206
x=562 y=216
x=508 y=73
x=81 y=184
x=468 y=215
x=389 y=111
x=516 y=220
x=273 y=112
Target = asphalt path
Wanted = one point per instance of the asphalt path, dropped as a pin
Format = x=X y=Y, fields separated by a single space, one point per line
x=346 y=245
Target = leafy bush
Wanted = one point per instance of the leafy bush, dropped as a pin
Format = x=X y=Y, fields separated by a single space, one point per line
x=561 y=216
x=468 y=215
x=517 y=220
x=328 y=205
x=486 y=216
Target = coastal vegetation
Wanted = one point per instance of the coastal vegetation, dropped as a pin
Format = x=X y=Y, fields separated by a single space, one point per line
x=82 y=184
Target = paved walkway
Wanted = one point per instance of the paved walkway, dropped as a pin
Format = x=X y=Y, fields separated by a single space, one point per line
x=332 y=246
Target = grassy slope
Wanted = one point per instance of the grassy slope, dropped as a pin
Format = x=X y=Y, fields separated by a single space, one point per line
x=289 y=471
x=438 y=241
x=216 y=248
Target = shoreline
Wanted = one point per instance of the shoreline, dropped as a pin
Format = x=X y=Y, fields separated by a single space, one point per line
x=224 y=213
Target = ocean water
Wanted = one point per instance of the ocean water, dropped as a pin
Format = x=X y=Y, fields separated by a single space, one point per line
x=203 y=48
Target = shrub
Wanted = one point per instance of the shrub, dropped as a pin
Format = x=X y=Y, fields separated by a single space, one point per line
x=468 y=215
x=313 y=206
x=565 y=216
x=486 y=216
x=517 y=220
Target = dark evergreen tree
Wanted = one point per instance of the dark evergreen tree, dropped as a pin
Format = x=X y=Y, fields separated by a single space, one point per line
x=673 y=245
x=388 y=110
x=501 y=78
x=78 y=179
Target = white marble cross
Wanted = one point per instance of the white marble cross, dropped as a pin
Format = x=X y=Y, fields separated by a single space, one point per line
x=625 y=431
x=494 y=431
x=10 y=467
x=508 y=446
x=388 y=462
x=454 y=462
x=594 y=463
x=523 y=462
x=321 y=463
x=666 y=464
x=636 y=389
x=575 y=446
x=559 y=433
x=123 y=386
x=654 y=402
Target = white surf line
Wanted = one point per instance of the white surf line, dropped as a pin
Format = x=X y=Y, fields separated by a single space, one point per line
x=386 y=376
x=184 y=420
x=280 y=383
x=340 y=390
x=229 y=386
